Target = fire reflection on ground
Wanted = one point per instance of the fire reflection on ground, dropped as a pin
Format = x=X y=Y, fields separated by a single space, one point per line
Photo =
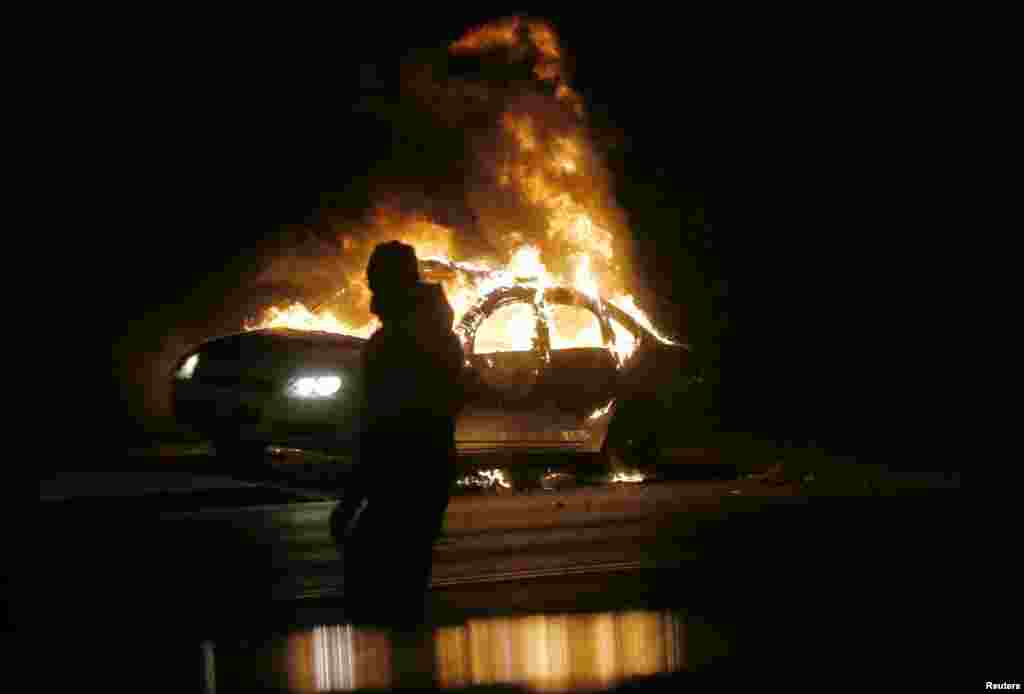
x=559 y=652
x=540 y=652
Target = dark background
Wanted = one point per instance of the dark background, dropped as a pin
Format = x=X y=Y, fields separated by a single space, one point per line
x=218 y=146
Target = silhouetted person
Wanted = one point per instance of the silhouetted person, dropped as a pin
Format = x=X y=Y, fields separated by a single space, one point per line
x=395 y=505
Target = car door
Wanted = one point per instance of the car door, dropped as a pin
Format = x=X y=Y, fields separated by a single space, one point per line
x=579 y=382
x=506 y=358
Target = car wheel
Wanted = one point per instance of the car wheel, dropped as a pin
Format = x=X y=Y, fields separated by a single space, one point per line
x=240 y=456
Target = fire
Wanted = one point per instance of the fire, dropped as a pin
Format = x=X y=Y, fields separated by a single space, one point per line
x=526 y=264
x=628 y=478
x=562 y=229
x=514 y=329
x=520 y=127
x=567 y=159
x=544 y=184
x=602 y=411
x=522 y=37
x=501 y=34
x=298 y=317
x=627 y=303
x=585 y=281
x=571 y=223
x=485 y=479
x=625 y=342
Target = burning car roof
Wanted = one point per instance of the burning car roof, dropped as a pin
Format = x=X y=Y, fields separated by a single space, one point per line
x=315 y=337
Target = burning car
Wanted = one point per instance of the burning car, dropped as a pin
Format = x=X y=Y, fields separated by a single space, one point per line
x=561 y=360
x=577 y=375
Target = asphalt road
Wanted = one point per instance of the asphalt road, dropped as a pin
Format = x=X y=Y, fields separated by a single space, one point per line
x=202 y=554
x=228 y=532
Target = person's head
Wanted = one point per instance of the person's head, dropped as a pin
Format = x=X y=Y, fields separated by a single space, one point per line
x=392 y=267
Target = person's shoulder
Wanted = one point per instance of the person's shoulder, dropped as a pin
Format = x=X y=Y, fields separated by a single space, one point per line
x=432 y=293
x=434 y=304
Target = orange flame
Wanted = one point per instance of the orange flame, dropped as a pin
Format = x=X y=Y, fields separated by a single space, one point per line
x=485 y=479
x=602 y=411
x=628 y=477
x=546 y=162
x=628 y=304
x=297 y=317
x=501 y=34
x=514 y=328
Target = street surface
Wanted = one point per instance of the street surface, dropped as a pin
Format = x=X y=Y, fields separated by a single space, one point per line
x=209 y=556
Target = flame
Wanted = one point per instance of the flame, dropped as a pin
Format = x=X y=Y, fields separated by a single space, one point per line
x=567 y=158
x=531 y=38
x=485 y=479
x=297 y=317
x=602 y=411
x=526 y=264
x=585 y=281
x=520 y=127
x=628 y=305
x=626 y=477
x=625 y=342
x=501 y=34
x=544 y=185
x=544 y=164
x=513 y=328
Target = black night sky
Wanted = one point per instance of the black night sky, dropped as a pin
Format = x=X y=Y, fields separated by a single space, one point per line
x=223 y=149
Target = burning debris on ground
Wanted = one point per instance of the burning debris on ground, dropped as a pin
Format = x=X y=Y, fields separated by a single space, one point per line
x=494 y=479
x=550 y=475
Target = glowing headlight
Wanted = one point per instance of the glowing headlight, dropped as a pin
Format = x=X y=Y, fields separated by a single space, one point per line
x=314 y=387
x=188 y=368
